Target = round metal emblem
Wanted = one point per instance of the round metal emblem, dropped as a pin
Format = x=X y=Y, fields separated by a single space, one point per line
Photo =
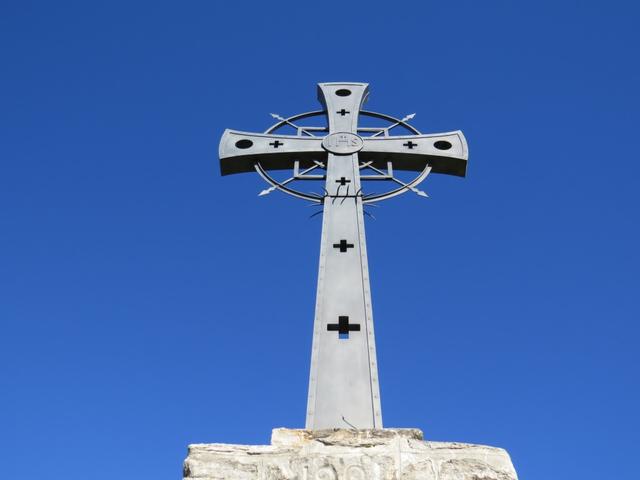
x=342 y=143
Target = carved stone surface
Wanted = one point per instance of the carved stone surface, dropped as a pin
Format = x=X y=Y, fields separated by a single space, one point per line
x=389 y=454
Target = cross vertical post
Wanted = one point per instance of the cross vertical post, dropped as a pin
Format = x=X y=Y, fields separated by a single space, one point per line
x=336 y=393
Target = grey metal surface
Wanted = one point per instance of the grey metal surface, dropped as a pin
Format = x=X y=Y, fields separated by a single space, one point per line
x=343 y=382
x=452 y=161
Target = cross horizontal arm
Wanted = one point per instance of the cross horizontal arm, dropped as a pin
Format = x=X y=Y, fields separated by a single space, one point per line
x=446 y=152
x=240 y=151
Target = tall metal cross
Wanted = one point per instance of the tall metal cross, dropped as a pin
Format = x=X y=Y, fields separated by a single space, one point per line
x=343 y=382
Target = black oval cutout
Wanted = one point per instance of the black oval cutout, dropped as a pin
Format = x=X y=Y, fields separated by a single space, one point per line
x=442 y=145
x=244 y=143
x=343 y=92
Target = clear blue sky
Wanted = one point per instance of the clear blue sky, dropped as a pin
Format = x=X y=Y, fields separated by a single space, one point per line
x=147 y=303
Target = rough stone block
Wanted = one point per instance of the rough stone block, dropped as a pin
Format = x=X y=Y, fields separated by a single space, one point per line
x=389 y=454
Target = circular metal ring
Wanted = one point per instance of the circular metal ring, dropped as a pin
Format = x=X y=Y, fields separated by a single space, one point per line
x=315 y=113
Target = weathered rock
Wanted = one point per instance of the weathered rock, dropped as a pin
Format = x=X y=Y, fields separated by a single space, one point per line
x=389 y=454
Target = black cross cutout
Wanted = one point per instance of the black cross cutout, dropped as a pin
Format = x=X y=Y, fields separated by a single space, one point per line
x=343 y=245
x=343 y=181
x=410 y=145
x=343 y=112
x=276 y=144
x=343 y=327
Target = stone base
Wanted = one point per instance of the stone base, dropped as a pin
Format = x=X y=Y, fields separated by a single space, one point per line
x=389 y=454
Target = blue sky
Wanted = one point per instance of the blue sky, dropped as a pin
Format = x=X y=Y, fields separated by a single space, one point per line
x=147 y=303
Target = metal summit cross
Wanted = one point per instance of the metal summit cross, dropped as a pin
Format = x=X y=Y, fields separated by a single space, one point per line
x=343 y=383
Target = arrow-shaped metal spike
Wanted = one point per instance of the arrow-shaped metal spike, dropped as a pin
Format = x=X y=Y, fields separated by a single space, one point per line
x=282 y=119
x=415 y=190
x=399 y=182
x=408 y=117
x=267 y=191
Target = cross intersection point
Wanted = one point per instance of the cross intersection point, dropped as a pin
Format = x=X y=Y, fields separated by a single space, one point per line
x=341 y=150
